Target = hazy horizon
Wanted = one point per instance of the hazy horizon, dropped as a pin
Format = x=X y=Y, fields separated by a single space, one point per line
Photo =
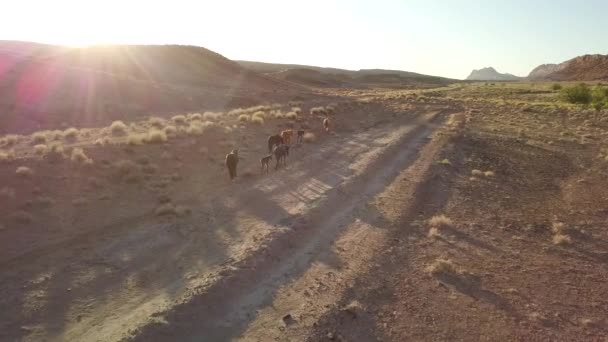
x=438 y=38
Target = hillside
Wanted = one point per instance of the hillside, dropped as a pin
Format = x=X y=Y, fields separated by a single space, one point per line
x=490 y=74
x=582 y=68
x=332 y=77
x=44 y=86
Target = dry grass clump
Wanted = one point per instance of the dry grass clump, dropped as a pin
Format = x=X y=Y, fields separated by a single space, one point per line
x=39 y=138
x=436 y=223
x=445 y=161
x=291 y=116
x=331 y=108
x=9 y=140
x=170 y=130
x=561 y=239
x=7 y=156
x=260 y=114
x=79 y=156
x=211 y=116
x=135 y=139
x=244 y=118
x=24 y=171
x=257 y=120
x=70 y=134
x=309 y=137
x=277 y=114
x=40 y=149
x=179 y=119
x=296 y=110
x=195 y=128
x=155 y=136
x=489 y=173
x=318 y=111
x=443 y=266
x=477 y=172
x=156 y=122
x=195 y=116
x=558 y=228
x=118 y=128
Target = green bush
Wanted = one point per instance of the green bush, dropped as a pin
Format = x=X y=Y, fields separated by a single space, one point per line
x=599 y=97
x=580 y=93
x=556 y=86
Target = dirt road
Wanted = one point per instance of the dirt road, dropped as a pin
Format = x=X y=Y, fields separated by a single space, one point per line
x=258 y=260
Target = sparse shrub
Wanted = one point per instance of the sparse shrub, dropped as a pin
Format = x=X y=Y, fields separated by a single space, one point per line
x=40 y=149
x=561 y=239
x=489 y=173
x=291 y=116
x=318 y=111
x=9 y=140
x=445 y=161
x=195 y=128
x=155 y=136
x=118 y=128
x=211 y=116
x=79 y=156
x=39 y=138
x=244 y=118
x=599 y=97
x=443 y=266
x=556 y=87
x=257 y=120
x=195 y=117
x=477 y=172
x=7 y=156
x=70 y=134
x=260 y=114
x=156 y=122
x=440 y=221
x=309 y=137
x=56 y=148
x=179 y=119
x=24 y=171
x=579 y=94
x=170 y=130
x=135 y=139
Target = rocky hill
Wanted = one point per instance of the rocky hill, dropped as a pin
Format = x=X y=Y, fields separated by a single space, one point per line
x=46 y=86
x=490 y=74
x=582 y=68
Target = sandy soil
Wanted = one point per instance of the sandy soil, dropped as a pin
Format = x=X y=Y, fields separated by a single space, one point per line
x=211 y=274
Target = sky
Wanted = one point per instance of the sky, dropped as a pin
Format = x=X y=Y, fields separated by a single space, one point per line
x=438 y=37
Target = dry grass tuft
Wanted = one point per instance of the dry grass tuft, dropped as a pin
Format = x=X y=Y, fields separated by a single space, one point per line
x=24 y=171
x=443 y=266
x=318 y=111
x=445 y=161
x=558 y=227
x=179 y=119
x=291 y=116
x=297 y=110
x=257 y=120
x=195 y=117
x=155 y=136
x=195 y=128
x=118 y=128
x=260 y=114
x=309 y=137
x=79 y=156
x=434 y=232
x=156 y=122
x=39 y=138
x=440 y=221
x=489 y=173
x=135 y=139
x=70 y=134
x=170 y=130
x=9 y=140
x=561 y=239
x=244 y=118
x=7 y=156
x=211 y=116
x=40 y=149
x=477 y=172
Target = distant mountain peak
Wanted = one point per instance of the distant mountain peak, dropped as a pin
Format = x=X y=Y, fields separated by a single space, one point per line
x=490 y=74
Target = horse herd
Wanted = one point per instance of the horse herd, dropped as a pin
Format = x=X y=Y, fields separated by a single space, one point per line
x=278 y=147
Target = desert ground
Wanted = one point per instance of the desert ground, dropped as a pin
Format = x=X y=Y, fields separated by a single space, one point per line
x=468 y=211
